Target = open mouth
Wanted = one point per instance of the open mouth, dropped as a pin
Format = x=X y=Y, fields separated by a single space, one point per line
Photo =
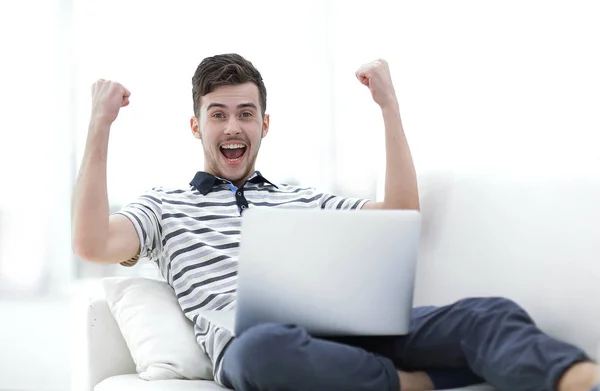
x=233 y=152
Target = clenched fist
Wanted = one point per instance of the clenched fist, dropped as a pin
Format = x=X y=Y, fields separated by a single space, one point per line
x=107 y=99
x=376 y=75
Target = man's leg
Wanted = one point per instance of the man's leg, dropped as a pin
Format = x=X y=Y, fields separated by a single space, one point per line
x=496 y=339
x=278 y=357
x=274 y=357
x=454 y=374
x=492 y=336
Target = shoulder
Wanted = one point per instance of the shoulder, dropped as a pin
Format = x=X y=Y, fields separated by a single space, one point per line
x=160 y=194
x=174 y=191
x=286 y=188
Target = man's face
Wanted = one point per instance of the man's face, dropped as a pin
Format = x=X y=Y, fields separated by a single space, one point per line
x=231 y=128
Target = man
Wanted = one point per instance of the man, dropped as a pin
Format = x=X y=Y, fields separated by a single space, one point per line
x=193 y=235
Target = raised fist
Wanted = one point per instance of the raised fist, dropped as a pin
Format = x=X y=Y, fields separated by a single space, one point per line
x=376 y=75
x=107 y=99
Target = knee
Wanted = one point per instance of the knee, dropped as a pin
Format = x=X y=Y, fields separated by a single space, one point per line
x=500 y=304
x=268 y=340
x=496 y=308
x=264 y=352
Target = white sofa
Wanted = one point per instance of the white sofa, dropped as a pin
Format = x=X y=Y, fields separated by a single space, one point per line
x=536 y=242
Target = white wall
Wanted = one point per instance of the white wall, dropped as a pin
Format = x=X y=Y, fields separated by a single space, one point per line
x=35 y=178
x=507 y=87
x=35 y=144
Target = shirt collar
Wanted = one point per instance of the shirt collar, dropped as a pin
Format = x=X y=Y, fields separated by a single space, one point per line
x=204 y=182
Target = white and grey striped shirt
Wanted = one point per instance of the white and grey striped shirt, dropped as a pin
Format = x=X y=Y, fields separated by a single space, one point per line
x=193 y=235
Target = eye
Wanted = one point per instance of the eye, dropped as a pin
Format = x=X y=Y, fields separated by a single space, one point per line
x=246 y=114
x=218 y=115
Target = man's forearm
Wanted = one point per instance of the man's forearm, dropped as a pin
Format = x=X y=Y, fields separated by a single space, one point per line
x=401 y=190
x=90 y=197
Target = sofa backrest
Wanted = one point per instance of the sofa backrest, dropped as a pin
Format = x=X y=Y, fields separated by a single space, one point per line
x=535 y=242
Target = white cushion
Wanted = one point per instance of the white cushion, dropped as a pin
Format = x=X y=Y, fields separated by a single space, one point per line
x=133 y=383
x=159 y=336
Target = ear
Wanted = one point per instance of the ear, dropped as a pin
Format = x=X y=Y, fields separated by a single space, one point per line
x=265 y=128
x=195 y=128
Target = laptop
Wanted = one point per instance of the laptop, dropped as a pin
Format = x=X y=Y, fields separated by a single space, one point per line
x=335 y=273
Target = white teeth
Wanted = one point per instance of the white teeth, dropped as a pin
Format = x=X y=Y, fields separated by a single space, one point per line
x=233 y=146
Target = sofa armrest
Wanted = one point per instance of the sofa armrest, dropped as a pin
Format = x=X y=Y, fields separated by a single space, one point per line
x=98 y=348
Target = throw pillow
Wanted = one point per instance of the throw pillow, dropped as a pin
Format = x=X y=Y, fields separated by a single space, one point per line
x=159 y=336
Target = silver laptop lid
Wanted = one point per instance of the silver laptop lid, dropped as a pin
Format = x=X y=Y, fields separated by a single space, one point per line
x=333 y=272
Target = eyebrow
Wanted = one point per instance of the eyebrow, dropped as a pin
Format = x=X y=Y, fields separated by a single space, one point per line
x=240 y=106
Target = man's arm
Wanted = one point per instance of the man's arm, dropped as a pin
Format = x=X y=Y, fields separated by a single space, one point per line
x=96 y=236
x=401 y=190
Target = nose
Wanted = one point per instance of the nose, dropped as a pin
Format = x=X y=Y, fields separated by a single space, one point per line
x=233 y=126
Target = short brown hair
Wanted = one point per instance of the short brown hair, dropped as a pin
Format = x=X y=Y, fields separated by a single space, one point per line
x=225 y=69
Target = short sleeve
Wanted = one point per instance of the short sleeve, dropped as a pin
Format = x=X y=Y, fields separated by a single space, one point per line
x=145 y=214
x=330 y=201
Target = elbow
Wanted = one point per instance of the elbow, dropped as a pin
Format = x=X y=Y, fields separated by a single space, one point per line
x=402 y=205
x=416 y=206
x=85 y=251
x=402 y=200
x=411 y=207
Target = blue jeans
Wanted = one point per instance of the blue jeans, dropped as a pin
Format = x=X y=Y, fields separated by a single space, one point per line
x=469 y=342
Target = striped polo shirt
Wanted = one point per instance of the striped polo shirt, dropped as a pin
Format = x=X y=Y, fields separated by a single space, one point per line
x=193 y=235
